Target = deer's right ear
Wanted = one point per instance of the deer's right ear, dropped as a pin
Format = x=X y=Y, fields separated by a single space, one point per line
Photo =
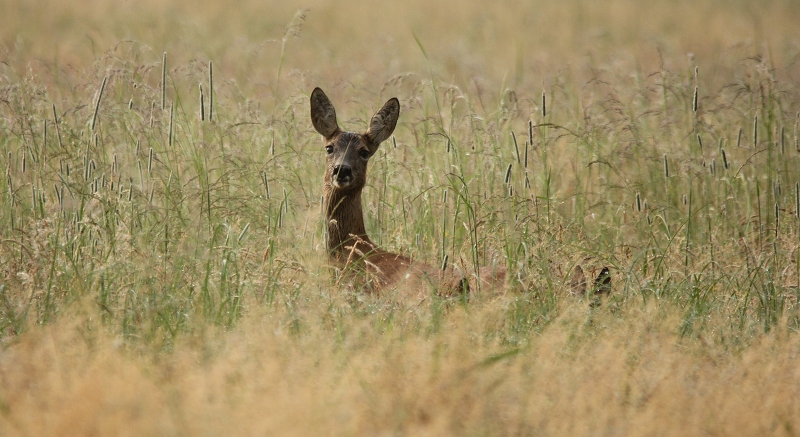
x=323 y=116
x=383 y=123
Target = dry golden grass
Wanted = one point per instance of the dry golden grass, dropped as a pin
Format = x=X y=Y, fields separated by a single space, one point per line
x=628 y=376
x=192 y=301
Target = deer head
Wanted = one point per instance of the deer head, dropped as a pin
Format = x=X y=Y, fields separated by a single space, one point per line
x=348 y=153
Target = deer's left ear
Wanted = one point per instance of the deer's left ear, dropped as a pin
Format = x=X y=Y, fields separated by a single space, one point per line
x=383 y=123
x=323 y=116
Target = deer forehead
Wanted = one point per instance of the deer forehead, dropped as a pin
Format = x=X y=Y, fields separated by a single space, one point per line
x=348 y=142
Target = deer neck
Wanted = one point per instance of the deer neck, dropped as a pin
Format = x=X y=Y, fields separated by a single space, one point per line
x=345 y=222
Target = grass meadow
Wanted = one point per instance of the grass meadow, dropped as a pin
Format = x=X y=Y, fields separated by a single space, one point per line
x=162 y=248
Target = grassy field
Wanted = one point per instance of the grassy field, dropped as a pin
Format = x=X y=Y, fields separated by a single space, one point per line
x=162 y=259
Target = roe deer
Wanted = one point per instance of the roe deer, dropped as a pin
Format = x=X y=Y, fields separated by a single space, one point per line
x=345 y=175
x=350 y=248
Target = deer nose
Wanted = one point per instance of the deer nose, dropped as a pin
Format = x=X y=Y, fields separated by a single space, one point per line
x=342 y=172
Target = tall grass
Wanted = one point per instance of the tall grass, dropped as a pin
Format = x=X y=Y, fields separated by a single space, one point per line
x=162 y=247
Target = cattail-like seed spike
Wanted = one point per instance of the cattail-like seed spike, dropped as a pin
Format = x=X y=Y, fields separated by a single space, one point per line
x=210 y=91
x=97 y=105
x=202 y=104
x=696 y=84
x=777 y=218
x=739 y=139
x=755 y=131
x=171 y=117
x=164 y=81
x=796 y=139
x=797 y=199
x=666 y=166
x=544 y=104
x=508 y=174
x=638 y=202
x=530 y=133
x=516 y=147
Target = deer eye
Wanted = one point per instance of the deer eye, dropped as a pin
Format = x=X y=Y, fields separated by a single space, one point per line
x=364 y=153
x=329 y=149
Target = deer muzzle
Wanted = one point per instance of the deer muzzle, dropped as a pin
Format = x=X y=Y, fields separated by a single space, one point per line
x=342 y=176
